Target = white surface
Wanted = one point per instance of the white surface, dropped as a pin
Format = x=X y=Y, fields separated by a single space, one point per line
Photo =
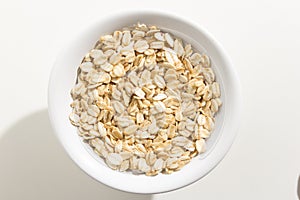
x=63 y=78
x=262 y=38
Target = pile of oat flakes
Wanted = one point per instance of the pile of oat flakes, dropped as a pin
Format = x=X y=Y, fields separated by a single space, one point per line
x=144 y=101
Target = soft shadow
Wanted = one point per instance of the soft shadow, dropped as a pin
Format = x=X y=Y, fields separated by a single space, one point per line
x=298 y=190
x=34 y=166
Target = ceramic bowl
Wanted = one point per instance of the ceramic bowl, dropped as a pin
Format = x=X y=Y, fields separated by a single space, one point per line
x=227 y=120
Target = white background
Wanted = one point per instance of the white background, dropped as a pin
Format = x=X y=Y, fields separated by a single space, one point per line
x=263 y=40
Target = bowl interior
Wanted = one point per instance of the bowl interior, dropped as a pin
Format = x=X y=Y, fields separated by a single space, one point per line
x=63 y=79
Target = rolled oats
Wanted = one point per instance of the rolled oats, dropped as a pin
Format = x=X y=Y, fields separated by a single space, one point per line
x=86 y=66
x=141 y=46
x=145 y=101
x=114 y=158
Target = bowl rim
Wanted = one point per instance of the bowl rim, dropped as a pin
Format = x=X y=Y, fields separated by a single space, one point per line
x=235 y=83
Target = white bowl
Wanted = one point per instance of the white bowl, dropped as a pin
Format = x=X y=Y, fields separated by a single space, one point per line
x=63 y=78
